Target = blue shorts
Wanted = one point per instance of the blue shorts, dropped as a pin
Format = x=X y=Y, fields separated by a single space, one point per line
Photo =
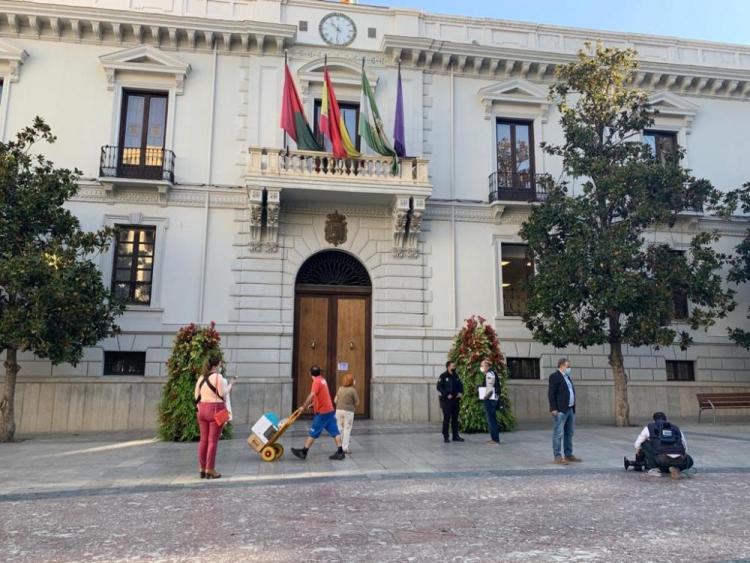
x=325 y=422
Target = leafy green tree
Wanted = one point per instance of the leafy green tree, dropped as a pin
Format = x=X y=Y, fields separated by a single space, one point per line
x=193 y=347
x=739 y=271
x=52 y=299
x=474 y=342
x=600 y=277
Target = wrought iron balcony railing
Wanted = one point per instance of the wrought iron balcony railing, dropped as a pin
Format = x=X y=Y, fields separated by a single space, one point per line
x=512 y=186
x=140 y=163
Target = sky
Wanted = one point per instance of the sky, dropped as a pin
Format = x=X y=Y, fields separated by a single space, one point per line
x=727 y=21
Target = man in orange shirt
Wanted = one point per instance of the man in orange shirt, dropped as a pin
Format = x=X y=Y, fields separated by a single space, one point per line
x=324 y=419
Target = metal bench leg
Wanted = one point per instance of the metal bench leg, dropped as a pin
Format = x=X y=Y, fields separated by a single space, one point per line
x=700 y=412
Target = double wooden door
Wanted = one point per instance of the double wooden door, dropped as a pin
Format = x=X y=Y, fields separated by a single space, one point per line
x=332 y=330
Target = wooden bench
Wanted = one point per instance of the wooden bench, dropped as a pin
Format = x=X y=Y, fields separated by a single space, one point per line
x=715 y=401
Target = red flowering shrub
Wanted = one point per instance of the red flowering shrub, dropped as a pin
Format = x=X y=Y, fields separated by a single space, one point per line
x=474 y=342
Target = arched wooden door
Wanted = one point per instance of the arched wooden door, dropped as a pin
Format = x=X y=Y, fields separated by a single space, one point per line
x=332 y=320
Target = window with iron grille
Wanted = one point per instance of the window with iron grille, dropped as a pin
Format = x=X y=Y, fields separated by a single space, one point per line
x=523 y=368
x=133 y=268
x=680 y=370
x=302 y=25
x=124 y=363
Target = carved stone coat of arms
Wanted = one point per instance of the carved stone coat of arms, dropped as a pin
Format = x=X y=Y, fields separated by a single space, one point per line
x=335 y=228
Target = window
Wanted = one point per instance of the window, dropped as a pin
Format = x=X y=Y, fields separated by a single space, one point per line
x=302 y=25
x=516 y=268
x=124 y=363
x=372 y=32
x=350 y=114
x=515 y=155
x=663 y=144
x=142 y=134
x=679 y=370
x=523 y=368
x=134 y=264
x=680 y=310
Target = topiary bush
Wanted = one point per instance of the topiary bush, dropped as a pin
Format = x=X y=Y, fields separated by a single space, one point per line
x=193 y=346
x=474 y=342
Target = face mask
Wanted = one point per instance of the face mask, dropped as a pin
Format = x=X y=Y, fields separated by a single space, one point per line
x=568 y=371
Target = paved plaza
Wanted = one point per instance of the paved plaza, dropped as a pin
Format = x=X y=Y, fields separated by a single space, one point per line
x=402 y=495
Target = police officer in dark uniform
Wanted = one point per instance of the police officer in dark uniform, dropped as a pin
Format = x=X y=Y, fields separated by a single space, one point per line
x=664 y=447
x=450 y=390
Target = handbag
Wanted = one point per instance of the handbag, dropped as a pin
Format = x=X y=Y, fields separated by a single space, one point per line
x=221 y=417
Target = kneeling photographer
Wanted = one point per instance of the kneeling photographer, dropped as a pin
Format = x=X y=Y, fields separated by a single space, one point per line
x=664 y=447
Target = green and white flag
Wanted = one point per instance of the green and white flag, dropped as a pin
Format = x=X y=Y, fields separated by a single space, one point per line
x=371 y=126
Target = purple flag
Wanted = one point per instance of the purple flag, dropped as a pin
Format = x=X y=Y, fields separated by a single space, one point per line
x=399 y=141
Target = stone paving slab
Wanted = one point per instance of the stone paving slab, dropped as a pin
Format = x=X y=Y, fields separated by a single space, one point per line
x=56 y=465
x=576 y=517
x=402 y=496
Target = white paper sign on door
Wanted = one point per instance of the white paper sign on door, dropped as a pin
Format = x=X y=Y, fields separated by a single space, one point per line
x=343 y=366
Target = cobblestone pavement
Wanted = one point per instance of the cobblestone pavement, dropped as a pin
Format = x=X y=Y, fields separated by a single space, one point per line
x=402 y=496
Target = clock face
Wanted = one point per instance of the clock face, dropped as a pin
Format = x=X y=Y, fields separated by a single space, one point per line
x=337 y=29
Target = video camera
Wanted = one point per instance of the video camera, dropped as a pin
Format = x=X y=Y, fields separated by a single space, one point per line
x=638 y=464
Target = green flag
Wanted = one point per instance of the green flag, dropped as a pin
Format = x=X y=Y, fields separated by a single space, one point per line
x=371 y=126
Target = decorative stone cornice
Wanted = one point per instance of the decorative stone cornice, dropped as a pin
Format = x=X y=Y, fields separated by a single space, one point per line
x=13 y=57
x=656 y=72
x=304 y=208
x=343 y=72
x=176 y=196
x=95 y=25
x=673 y=106
x=145 y=59
x=517 y=92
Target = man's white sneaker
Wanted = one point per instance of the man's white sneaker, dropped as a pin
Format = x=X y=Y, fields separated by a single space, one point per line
x=655 y=472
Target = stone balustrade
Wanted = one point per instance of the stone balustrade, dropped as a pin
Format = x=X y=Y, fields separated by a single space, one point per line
x=269 y=162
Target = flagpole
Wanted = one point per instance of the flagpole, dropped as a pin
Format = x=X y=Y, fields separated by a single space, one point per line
x=286 y=142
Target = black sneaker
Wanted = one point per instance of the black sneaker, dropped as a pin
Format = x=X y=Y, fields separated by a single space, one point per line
x=446 y=440
x=300 y=453
x=338 y=456
x=458 y=439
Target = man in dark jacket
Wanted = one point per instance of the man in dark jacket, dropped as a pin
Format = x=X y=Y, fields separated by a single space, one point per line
x=562 y=407
x=450 y=389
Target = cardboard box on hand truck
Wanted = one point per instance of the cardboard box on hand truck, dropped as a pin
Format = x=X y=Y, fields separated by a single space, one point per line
x=263 y=430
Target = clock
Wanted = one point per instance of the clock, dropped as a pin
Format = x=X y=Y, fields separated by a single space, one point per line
x=337 y=29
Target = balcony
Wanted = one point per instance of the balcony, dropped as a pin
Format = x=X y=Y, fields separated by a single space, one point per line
x=514 y=187
x=302 y=173
x=137 y=163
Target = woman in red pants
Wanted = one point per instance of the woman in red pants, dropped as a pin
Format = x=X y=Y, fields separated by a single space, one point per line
x=209 y=391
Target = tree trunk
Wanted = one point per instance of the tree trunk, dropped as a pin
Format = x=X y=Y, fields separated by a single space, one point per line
x=622 y=407
x=8 y=422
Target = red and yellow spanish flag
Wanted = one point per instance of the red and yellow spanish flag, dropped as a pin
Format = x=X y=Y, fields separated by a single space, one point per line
x=332 y=124
x=293 y=119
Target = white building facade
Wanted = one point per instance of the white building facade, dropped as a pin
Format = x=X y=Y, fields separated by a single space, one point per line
x=171 y=110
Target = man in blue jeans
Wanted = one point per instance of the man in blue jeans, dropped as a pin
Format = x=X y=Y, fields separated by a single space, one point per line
x=562 y=406
x=325 y=416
